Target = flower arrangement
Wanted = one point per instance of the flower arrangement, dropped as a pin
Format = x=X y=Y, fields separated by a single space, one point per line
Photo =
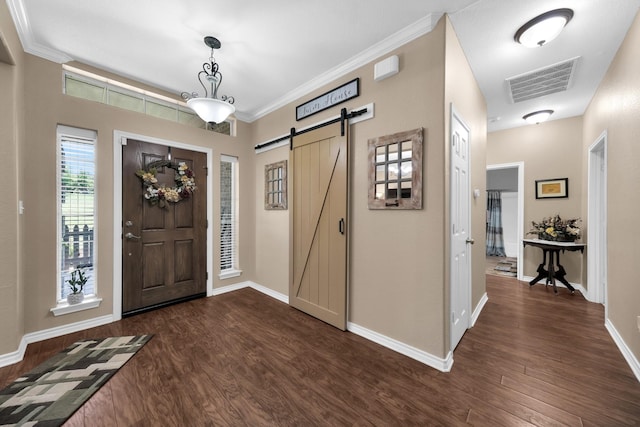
x=557 y=229
x=158 y=194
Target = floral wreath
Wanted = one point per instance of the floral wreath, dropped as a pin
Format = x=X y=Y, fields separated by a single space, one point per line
x=158 y=194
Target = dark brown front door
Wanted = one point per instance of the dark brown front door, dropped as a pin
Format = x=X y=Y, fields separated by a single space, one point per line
x=163 y=248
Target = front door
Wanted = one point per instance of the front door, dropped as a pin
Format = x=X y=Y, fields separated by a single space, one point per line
x=163 y=248
x=318 y=283
x=460 y=238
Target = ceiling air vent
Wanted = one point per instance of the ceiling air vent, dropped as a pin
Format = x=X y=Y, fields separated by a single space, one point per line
x=541 y=82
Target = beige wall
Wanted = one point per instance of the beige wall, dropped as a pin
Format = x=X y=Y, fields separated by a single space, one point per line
x=11 y=133
x=397 y=258
x=549 y=150
x=272 y=230
x=616 y=109
x=46 y=107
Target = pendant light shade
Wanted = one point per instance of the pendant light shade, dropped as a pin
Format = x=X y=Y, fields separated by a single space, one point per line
x=208 y=107
x=543 y=28
x=211 y=110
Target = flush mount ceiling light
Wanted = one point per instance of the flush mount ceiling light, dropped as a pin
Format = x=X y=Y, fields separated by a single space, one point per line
x=208 y=107
x=537 y=116
x=543 y=28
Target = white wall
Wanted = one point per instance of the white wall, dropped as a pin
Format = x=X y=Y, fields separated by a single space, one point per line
x=510 y=222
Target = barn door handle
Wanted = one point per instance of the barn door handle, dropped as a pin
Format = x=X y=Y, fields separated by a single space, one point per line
x=131 y=236
x=341 y=226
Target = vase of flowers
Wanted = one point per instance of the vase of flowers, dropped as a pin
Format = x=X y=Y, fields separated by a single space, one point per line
x=557 y=229
x=76 y=284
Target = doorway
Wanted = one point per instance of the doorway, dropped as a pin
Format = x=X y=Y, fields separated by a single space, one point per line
x=181 y=246
x=508 y=179
x=597 y=225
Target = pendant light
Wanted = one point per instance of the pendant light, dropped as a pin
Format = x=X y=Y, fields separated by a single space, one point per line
x=208 y=107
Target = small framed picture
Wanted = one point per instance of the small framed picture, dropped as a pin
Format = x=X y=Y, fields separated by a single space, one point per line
x=552 y=188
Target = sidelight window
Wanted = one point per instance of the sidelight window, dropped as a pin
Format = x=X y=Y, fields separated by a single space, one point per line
x=229 y=217
x=76 y=199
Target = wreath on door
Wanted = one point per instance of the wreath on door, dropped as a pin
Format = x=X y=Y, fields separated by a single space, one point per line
x=160 y=195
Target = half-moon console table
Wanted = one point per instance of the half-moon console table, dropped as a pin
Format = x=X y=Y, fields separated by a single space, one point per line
x=554 y=271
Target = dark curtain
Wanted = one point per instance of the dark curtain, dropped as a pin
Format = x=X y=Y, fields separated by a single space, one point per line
x=495 y=241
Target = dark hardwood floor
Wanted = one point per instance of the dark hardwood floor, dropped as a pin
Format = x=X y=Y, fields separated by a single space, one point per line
x=243 y=358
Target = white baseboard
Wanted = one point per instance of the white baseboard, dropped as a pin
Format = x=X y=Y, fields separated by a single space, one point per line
x=443 y=365
x=18 y=355
x=229 y=288
x=435 y=362
x=14 y=356
x=624 y=349
x=478 y=310
x=578 y=287
x=249 y=284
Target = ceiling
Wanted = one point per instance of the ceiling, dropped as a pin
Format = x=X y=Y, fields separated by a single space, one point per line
x=272 y=55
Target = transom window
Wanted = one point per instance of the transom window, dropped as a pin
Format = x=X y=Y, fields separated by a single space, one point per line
x=86 y=85
x=395 y=171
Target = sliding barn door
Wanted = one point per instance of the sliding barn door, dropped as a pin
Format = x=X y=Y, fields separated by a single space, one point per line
x=318 y=283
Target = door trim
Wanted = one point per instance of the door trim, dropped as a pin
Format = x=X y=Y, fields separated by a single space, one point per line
x=520 y=221
x=118 y=137
x=597 y=196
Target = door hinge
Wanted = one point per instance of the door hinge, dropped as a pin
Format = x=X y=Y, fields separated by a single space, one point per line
x=206 y=171
x=206 y=275
x=123 y=141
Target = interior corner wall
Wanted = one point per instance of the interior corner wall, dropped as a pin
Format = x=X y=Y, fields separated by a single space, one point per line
x=615 y=108
x=11 y=135
x=396 y=257
x=548 y=150
x=462 y=91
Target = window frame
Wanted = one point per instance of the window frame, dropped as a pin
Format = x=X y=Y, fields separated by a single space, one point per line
x=414 y=201
x=233 y=270
x=71 y=134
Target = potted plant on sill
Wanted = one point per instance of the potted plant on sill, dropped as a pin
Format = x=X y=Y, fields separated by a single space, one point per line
x=76 y=284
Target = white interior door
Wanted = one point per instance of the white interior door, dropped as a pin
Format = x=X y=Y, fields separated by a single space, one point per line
x=460 y=234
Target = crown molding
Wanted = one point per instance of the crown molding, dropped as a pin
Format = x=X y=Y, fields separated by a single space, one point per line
x=29 y=45
x=422 y=26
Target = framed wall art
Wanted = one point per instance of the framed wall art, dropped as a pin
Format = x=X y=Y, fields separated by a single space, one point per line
x=334 y=97
x=275 y=186
x=552 y=188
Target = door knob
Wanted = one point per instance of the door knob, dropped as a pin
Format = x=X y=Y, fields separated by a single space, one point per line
x=470 y=240
x=132 y=236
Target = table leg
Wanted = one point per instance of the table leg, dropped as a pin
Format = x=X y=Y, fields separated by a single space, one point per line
x=561 y=273
x=541 y=271
x=552 y=269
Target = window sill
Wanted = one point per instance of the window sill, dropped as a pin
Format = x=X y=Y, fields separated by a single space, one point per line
x=64 y=308
x=228 y=274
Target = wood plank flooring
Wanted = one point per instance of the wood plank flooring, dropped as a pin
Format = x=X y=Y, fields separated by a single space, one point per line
x=245 y=359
